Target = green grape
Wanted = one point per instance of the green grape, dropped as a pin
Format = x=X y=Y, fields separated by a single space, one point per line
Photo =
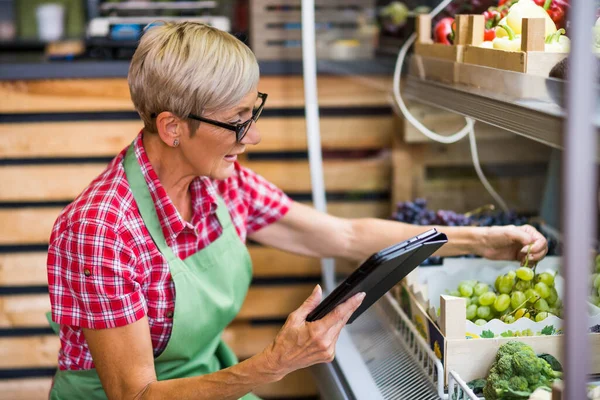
x=506 y=284
x=487 y=298
x=542 y=289
x=597 y=282
x=480 y=289
x=471 y=311
x=553 y=297
x=520 y=313
x=541 y=316
x=545 y=277
x=475 y=300
x=465 y=290
x=517 y=299
x=553 y=311
x=502 y=302
x=531 y=296
x=468 y=301
x=484 y=312
x=480 y=322
x=509 y=319
x=599 y=291
x=511 y=274
x=541 y=305
x=522 y=286
x=454 y=293
x=594 y=299
x=525 y=273
x=497 y=282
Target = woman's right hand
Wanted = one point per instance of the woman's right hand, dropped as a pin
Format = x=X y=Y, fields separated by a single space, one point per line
x=300 y=344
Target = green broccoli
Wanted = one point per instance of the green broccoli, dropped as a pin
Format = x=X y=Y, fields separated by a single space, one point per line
x=517 y=373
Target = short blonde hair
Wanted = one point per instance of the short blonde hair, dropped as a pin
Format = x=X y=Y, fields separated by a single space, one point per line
x=188 y=67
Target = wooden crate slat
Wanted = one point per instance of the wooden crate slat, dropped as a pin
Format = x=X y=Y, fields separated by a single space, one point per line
x=34 y=225
x=259 y=302
x=29 y=310
x=23 y=269
x=461 y=195
x=514 y=150
x=26 y=388
x=65 y=181
x=78 y=95
x=296 y=385
x=29 y=269
x=41 y=351
x=108 y=138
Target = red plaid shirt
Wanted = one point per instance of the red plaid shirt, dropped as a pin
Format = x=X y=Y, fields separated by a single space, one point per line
x=104 y=270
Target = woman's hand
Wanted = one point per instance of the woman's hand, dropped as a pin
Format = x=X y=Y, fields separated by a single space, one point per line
x=301 y=344
x=512 y=243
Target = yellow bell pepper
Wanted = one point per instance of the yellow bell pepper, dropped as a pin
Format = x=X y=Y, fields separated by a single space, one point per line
x=524 y=9
x=510 y=42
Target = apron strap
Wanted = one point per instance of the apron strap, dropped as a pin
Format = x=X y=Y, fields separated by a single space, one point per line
x=143 y=199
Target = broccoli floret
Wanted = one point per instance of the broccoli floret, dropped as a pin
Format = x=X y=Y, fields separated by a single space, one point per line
x=517 y=372
x=518 y=383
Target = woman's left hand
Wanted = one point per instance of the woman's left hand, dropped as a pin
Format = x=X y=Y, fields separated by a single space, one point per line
x=512 y=243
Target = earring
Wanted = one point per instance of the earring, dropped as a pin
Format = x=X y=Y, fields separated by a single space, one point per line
x=175 y=142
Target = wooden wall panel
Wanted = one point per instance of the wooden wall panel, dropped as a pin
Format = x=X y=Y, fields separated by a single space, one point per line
x=33 y=225
x=72 y=95
x=65 y=181
x=298 y=384
x=108 y=138
x=28 y=310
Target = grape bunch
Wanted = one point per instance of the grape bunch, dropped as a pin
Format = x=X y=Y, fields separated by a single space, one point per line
x=595 y=292
x=417 y=213
x=519 y=293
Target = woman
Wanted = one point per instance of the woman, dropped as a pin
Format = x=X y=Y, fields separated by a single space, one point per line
x=148 y=265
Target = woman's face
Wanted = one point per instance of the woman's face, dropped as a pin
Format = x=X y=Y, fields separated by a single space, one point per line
x=211 y=151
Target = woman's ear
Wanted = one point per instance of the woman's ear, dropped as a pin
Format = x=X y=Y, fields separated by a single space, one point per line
x=170 y=128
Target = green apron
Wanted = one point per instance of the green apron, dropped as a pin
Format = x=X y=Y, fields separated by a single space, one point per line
x=210 y=288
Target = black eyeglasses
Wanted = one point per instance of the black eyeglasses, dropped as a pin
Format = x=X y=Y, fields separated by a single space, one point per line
x=240 y=129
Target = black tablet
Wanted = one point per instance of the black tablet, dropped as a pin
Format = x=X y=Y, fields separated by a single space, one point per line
x=380 y=272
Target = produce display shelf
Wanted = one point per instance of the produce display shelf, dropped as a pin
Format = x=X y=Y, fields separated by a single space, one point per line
x=398 y=360
x=528 y=105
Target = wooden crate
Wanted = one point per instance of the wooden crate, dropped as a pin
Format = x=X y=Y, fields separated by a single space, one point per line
x=444 y=173
x=59 y=134
x=275 y=28
x=436 y=61
x=472 y=357
x=532 y=59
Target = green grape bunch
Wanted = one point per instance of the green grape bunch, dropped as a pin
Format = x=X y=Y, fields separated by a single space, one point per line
x=520 y=293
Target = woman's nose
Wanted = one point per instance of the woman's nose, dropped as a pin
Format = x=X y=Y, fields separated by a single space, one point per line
x=253 y=135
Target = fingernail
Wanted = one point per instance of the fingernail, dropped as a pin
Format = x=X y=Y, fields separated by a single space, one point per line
x=317 y=288
x=362 y=295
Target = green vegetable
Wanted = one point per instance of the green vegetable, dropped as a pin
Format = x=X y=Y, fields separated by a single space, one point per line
x=517 y=372
x=477 y=386
x=550 y=359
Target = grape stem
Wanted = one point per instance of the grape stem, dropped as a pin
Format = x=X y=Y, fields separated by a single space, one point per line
x=527 y=259
x=521 y=305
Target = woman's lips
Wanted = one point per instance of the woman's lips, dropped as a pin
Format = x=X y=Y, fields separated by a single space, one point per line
x=231 y=157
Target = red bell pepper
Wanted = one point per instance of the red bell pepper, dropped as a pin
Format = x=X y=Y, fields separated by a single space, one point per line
x=442 y=33
x=492 y=17
x=557 y=10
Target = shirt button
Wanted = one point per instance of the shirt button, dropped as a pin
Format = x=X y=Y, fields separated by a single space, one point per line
x=170 y=314
x=87 y=272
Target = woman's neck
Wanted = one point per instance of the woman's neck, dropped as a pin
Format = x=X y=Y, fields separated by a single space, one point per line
x=172 y=171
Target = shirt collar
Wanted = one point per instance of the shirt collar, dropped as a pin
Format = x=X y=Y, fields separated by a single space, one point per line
x=204 y=197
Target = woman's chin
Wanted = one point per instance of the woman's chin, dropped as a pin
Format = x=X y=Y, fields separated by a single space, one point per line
x=224 y=171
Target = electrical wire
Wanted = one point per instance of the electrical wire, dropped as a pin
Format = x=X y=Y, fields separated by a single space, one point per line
x=468 y=129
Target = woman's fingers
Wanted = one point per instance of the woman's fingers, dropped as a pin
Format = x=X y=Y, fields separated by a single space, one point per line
x=309 y=305
x=342 y=313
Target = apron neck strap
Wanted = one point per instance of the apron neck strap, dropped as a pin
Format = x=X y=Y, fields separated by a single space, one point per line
x=143 y=199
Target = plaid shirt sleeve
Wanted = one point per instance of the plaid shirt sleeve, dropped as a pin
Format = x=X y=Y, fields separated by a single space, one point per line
x=266 y=202
x=91 y=278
